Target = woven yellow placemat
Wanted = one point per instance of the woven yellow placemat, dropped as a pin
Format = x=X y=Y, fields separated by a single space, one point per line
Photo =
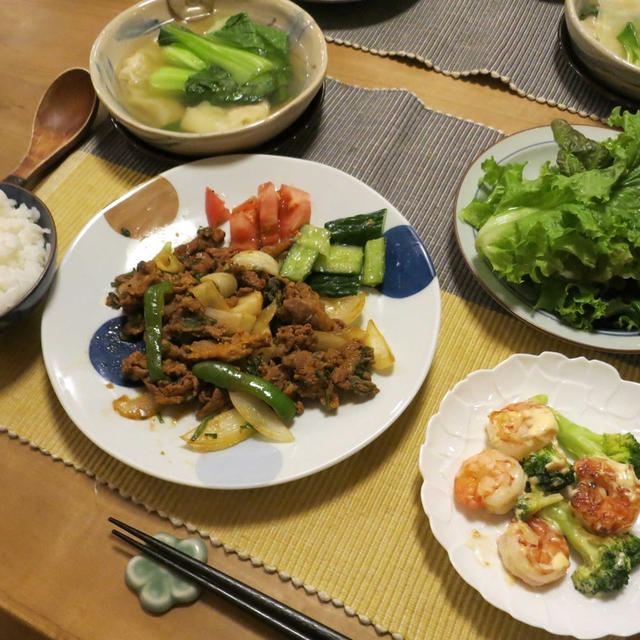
x=355 y=533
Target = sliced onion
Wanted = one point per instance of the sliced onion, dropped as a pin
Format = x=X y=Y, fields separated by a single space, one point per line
x=236 y=320
x=257 y=261
x=338 y=339
x=209 y=295
x=167 y=261
x=383 y=358
x=330 y=340
x=264 y=318
x=347 y=308
x=260 y=416
x=354 y=333
x=220 y=432
x=251 y=303
x=139 y=408
x=225 y=281
x=266 y=353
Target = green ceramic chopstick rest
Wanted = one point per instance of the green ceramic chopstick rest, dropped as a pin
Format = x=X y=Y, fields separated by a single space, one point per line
x=158 y=588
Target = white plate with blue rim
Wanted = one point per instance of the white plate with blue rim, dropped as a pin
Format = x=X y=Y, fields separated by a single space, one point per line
x=589 y=392
x=82 y=350
x=535 y=147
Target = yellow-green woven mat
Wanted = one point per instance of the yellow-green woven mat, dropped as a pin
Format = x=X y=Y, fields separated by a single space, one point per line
x=355 y=533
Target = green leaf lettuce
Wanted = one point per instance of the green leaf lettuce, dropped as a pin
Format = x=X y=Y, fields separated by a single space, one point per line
x=569 y=239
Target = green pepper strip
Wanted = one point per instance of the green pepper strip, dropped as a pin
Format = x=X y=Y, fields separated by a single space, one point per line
x=153 y=312
x=227 y=376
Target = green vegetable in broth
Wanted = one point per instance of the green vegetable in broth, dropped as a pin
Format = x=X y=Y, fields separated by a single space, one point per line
x=217 y=86
x=239 y=31
x=228 y=78
x=569 y=240
x=180 y=57
x=630 y=40
x=170 y=78
x=588 y=10
x=240 y=63
x=614 y=24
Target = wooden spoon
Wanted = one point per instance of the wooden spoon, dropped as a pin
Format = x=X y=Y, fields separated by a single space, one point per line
x=64 y=114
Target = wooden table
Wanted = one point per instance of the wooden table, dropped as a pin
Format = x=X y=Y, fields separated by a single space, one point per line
x=62 y=573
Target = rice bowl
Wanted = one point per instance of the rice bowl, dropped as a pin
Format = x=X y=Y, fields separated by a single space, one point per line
x=24 y=251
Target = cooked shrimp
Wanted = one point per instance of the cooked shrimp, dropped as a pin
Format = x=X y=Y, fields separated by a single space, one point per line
x=521 y=428
x=534 y=551
x=489 y=480
x=607 y=495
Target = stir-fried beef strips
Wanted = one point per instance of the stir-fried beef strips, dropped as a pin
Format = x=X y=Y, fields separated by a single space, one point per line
x=287 y=355
x=302 y=305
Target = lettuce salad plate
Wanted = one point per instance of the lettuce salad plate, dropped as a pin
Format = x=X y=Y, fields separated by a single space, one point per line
x=533 y=147
x=82 y=350
x=588 y=392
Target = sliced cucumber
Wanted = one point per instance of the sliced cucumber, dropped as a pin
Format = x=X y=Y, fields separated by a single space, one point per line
x=315 y=238
x=357 y=229
x=342 y=258
x=333 y=285
x=373 y=268
x=299 y=262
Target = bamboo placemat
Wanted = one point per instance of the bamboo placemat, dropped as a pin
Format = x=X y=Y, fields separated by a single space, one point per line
x=354 y=534
x=514 y=40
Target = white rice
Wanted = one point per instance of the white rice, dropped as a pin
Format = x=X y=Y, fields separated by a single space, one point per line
x=23 y=251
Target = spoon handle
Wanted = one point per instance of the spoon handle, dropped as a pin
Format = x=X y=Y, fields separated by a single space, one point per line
x=31 y=167
x=64 y=114
x=17 y=180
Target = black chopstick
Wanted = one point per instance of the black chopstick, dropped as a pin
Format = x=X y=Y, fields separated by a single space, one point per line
x=290 y=622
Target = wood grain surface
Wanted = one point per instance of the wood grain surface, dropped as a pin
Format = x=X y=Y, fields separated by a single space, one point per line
x=62 y=572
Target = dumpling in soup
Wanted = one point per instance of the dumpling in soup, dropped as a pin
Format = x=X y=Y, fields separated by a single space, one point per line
x=206 y=118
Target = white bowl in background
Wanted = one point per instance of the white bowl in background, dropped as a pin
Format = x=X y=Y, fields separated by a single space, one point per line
x=603 y=64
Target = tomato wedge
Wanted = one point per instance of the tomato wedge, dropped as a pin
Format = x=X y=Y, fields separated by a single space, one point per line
x=268 y=205
x=294 y=211
x=245 y=233
x=215 y=209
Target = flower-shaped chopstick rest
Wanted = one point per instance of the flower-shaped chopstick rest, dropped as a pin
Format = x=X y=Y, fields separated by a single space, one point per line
x=158 y=588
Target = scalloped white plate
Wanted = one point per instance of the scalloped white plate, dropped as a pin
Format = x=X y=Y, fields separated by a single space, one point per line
x=76 y=309
x=533 y=146
x=591 y=393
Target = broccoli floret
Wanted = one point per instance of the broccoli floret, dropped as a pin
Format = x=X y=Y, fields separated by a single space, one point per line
x=608 y=560
x=580 y=442
x=530 y=502
x=548 y=468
